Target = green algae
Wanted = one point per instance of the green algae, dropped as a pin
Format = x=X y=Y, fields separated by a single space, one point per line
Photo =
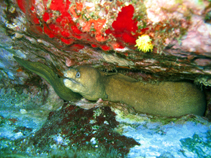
x=197 y=144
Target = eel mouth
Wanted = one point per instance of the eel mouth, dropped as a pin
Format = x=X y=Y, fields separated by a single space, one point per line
x=74 y=81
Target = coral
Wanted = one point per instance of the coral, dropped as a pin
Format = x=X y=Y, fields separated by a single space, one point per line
x=124 y=26
x=116 y=27
x=79 y=32
x=144 y=43
x=70 y=22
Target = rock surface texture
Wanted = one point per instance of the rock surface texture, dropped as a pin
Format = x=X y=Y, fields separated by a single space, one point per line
x=150 y=42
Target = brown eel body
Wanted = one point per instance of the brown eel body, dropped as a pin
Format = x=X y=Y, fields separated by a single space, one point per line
x=51 y=77
x=172 y=99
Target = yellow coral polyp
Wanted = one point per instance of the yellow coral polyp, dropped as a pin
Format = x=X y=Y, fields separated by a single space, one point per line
x=144 y=43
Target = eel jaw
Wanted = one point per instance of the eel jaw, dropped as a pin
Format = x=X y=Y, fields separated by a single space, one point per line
x=72 y=80
x=73 y=84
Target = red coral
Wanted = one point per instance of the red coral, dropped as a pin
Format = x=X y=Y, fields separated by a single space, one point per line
x=124 y=25
x=48 y=31
x=94 y=45
x=66 y=33
x=61 y=26
x=22 y=4
x=77 y=47
x=124 y=21
x=59 y=5
x=34 y=16
x=75 y=29
x=46 y=16
x=105 y=47
x=54 y=29
x=67 y=41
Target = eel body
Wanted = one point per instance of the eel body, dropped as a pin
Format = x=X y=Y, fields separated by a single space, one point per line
x=172 y=99
x=51 y=77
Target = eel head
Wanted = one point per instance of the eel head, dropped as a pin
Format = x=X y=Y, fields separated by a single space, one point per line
x=87 y=81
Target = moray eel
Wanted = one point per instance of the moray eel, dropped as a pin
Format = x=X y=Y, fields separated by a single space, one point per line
x=51 y=77
x=171 y=99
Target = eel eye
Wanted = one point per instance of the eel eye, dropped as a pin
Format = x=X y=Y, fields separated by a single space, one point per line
x=78 y=75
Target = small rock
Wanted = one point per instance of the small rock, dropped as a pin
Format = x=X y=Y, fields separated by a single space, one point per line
x=203 y=62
